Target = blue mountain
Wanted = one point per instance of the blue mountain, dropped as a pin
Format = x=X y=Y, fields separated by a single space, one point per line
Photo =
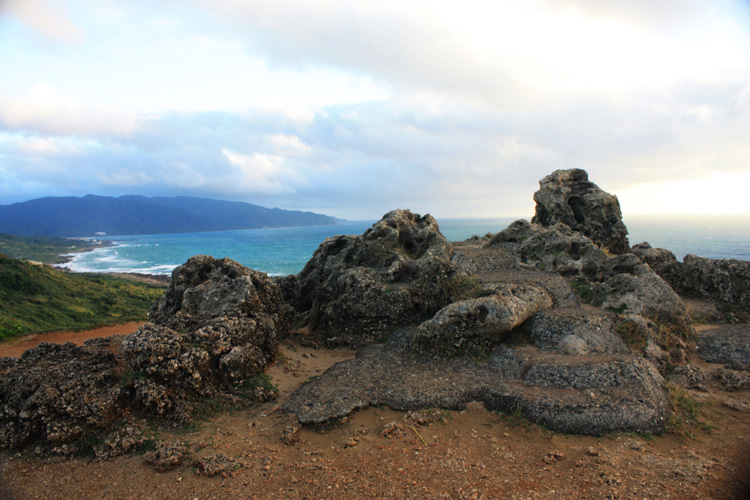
x=131 y=214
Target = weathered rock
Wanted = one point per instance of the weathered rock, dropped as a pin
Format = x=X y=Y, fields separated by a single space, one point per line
x=568 y=197
x=576 y=331
x=59 y=396
x=213 y=465
x=589 y=395
x=219 y=324
x=732 y=380
x=728 y=345
x=688 y=377
x=357 y=289
x=722 y=281
x=475 y=324
x=166 y=456
x=622 y=282
x=56 y=394
x=657 y=258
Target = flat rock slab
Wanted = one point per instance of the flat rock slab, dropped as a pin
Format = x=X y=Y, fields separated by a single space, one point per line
x=729 y=345
x=573 y=394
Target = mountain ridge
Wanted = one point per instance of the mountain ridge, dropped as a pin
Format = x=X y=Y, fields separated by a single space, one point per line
x=90 y=215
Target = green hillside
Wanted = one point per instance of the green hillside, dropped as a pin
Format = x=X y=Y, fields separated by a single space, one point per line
x=42 y=299
x=46 y=249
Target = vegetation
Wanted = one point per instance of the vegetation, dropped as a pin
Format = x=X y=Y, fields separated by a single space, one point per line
x=588 y=294
x=688 y=414
x=43 y=299
x=44 y=249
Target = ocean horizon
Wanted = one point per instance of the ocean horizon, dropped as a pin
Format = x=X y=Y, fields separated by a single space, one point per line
x=284 y=251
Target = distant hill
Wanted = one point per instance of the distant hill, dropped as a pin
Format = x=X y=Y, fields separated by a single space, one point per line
x=90 y=215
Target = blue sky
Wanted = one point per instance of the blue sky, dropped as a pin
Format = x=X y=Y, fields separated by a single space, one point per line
x=356 y=108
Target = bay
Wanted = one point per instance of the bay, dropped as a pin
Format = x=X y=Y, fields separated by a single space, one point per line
x=283 y=251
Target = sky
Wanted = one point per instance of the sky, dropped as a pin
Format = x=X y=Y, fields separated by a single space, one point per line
x=355 y=108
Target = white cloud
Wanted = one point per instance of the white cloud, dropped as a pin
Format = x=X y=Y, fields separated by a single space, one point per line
x=44 y=17
x=43 y=110
x=258 y=172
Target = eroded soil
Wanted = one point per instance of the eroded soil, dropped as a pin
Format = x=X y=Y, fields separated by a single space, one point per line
x=451 y=454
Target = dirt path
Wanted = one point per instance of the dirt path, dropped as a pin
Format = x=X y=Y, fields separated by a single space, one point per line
x=469 y=454
x=16 y=347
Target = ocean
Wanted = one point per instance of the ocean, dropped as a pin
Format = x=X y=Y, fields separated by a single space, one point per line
x=283 y=251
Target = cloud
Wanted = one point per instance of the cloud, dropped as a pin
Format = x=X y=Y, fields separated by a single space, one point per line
x=44 y=18
x=42 y=110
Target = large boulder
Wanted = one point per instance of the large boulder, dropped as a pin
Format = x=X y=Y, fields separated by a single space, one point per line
x=476 y=324
x=358 y=289
x=218 y=324
x=568 y=197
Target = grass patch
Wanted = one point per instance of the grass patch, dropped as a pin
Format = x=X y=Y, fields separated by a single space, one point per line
x=463 y=287
x=688 y=414
x=10 y=328
x=588 y=294
x=633 y=334
x=129 y=377
x=43 y=299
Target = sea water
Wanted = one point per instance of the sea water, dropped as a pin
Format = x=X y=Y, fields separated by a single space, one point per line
x=283 y=251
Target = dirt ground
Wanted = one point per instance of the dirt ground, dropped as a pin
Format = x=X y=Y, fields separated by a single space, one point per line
x=470 y=454
x=16 y=347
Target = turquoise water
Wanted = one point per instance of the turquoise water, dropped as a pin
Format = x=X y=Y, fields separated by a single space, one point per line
x=282 y=251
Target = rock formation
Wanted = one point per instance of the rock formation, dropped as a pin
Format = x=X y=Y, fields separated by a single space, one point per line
x=725 y=282
x=554 y=361
x=622 y=282
x=358 y=289
x=568 y=197
x=219 y=325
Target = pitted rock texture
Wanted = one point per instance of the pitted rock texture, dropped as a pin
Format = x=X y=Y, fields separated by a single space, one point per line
x=723 y=281
x=480 y=322
x=568 y=197
x=575 y=394
x=56 y=394
x=218 y=324
x=357 y=289
x=620 y=282
x=204 y=291
x=576 y=331
x=729 y=345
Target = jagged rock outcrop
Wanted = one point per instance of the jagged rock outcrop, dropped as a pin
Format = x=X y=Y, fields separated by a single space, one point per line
x=219 y=325
x=358 y=289
x=568 y=197
x=551 y=359
x=57 y=395
x=723 y=281
x=622 y=282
